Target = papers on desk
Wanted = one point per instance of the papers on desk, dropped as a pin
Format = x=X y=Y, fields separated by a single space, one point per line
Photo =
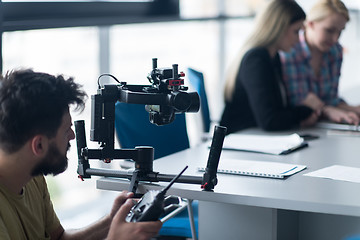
x=264 y=143
x=257 y=168
x=338 y=172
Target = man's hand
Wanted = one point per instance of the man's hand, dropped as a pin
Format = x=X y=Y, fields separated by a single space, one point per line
x=122 y=230
x=119 y=201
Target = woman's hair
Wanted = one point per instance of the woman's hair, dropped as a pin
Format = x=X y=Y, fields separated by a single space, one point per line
x=270 y=25
x=324 y=8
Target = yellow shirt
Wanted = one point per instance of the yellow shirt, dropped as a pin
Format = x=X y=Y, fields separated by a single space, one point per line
x=29 y=215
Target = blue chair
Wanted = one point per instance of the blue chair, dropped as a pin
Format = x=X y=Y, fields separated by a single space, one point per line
x=133 y=128
x=355 y=237
x=196 y=80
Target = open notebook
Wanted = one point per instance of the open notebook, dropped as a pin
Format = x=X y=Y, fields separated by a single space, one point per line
x=270 y=144
x=257 y=168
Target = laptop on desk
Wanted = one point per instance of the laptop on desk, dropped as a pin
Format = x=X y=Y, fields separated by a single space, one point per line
x=338 y=126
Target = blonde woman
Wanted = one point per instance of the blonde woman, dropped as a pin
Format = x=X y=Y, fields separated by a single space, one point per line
x=254 y=92
x=314 y=65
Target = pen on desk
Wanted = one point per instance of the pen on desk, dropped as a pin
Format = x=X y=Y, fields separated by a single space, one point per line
x=289 y=170
x=308 y=137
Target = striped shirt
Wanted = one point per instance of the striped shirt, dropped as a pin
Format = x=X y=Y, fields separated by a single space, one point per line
x=300 y=79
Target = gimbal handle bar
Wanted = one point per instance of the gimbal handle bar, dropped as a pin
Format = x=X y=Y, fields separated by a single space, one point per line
x=151 y=177
x=143 y=157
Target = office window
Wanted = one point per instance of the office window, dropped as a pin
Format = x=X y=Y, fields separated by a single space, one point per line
x=77 y=0
x=212 y=8
x=188 y=44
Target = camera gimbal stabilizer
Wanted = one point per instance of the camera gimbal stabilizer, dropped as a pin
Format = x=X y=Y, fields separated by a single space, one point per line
x=163 y=99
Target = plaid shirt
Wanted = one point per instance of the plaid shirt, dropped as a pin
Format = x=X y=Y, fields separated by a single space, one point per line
x=299 y=76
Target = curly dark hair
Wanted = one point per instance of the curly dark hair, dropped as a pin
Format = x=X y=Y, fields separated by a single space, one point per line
x=33 y=103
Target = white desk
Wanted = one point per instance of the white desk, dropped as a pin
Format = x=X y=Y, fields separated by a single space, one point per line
x=243 y=207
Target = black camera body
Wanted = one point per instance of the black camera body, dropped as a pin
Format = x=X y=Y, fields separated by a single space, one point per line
x=166 y=79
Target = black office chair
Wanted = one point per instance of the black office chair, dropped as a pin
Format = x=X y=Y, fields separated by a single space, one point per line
x=134 y=129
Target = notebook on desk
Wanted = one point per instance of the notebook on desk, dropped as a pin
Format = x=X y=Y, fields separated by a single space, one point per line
x=269 y=144
x=257 y=168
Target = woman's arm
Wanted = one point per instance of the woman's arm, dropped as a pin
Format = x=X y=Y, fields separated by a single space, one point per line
x=259 y=78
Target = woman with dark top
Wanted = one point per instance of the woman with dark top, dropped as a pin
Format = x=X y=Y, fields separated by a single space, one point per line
x=254 y=92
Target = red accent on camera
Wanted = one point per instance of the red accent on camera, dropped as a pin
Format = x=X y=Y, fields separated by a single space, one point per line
x=176 y=82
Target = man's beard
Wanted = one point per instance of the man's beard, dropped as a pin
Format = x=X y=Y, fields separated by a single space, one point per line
x=53 y=163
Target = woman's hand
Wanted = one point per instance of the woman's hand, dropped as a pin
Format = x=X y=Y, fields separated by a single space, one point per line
x=312 y=101
x=310 y=121
x=338 y=115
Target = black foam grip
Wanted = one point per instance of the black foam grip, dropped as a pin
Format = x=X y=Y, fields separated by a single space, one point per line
x=80 y=137
x=215 y=149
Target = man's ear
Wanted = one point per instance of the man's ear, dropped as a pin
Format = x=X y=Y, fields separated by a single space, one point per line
x=39 y=145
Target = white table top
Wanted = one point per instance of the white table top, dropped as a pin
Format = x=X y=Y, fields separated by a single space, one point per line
x=298 y=192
